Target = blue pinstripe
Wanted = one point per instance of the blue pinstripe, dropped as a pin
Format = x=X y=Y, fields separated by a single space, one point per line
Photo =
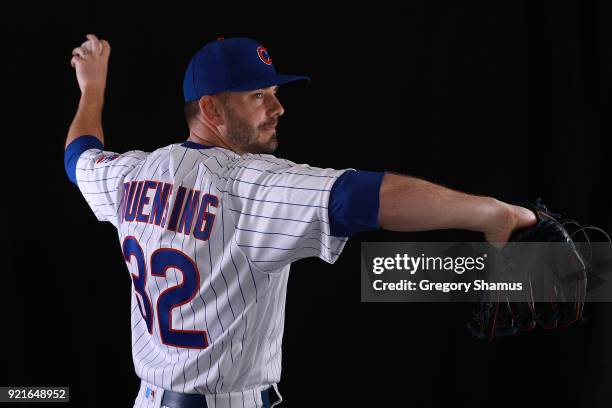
x=278 y=218
x=281 y=233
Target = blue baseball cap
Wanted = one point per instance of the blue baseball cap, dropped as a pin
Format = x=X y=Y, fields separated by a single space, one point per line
x=233 y=64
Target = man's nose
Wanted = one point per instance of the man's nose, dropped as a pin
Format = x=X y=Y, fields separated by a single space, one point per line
x=276 y=109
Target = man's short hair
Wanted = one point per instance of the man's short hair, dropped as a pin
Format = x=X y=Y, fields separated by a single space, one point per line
x=192 y=109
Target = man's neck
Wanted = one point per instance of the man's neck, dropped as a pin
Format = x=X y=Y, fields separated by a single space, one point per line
x=210 y=141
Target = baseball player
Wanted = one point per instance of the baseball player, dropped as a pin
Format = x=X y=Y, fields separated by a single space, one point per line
x=209 y=227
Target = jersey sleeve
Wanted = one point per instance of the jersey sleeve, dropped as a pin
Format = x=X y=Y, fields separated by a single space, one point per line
x=99 y=174
x=280 y=209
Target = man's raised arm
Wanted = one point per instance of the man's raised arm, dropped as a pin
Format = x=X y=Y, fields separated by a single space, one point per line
x=90 y=61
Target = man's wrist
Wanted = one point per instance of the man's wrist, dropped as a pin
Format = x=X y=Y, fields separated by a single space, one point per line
x=93 y=95
x=499 y=217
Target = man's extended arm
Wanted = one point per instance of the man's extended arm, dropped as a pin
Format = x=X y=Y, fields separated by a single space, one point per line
x=90 y=61
x=411 y=204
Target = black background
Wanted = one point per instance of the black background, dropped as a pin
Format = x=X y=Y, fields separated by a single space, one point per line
x=509 y=99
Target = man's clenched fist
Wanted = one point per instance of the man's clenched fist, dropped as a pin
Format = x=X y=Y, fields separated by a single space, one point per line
x=91 y=62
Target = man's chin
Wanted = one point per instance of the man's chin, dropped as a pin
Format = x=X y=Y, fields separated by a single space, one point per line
x=271 y=146
x=273 y=142
x=264 y=148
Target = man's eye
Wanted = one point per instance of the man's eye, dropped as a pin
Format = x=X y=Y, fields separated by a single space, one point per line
x=259 y=95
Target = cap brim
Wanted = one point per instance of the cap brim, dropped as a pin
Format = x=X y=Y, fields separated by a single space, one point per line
x=268 y=81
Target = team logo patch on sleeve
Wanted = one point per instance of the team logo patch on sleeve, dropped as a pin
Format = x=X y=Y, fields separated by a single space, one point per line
x=105 y=158
x=150 y=394
x=264 y=56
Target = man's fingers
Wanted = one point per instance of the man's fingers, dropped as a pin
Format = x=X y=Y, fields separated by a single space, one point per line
x=75 y=60
x=105 y=47
x=92 y=47
x=80 y=52
x=92 y=37
x=95 y=44
x=525 y=217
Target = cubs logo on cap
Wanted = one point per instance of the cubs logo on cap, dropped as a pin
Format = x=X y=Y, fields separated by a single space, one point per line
x=263 y=55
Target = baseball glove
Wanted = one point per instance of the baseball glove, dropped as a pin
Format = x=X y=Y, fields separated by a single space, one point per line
x=498 y=316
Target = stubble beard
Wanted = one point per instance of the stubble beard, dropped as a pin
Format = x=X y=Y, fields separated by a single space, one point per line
x=245 y=136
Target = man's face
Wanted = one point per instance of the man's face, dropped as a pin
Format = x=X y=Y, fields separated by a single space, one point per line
x=251 y=118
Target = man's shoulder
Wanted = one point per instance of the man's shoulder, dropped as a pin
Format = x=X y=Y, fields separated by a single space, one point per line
x=268 y=158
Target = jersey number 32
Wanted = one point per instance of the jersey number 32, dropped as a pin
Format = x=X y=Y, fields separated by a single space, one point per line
x=173 y=297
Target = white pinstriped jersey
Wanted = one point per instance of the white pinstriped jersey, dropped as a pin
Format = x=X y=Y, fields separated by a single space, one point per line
x=208 y=237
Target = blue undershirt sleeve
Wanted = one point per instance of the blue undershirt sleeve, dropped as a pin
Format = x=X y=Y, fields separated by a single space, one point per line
x=74 y=151
x=354 y=202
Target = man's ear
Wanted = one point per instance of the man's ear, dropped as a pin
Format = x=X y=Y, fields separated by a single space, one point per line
x=210 y=108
